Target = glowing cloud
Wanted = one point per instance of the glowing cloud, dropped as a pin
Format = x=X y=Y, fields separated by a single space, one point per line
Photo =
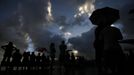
x=61 y=27
x=49 y=16
x=87 y=8
x=67 y=35
x=49 y=8
x=29 y=41
x=69 y=46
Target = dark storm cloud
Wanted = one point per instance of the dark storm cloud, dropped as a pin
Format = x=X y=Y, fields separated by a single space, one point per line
x=125 y=6
x=62 y=21
x=21 y=17
x=33 y=14
x=111 y=3
x=43 y=37
x=35 y=23
x=6 y=8
x=10 y=31
x=84 y=43
x=76 y=18
x=34 y=10
x=127 y=19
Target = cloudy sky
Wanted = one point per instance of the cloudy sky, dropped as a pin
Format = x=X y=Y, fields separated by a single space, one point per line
x=36 y=23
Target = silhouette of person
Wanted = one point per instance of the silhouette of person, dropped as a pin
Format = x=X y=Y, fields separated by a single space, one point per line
x=107 y=47
x=67 y=57
x=113 y=54
x=72 y=57
x=8 y=51
x=25 y=61
x=52 y=55
x=52 y=51
x=62 y=48
x=32 y=60
x=106 y=38
x=44 y=61
x=38 y=60
x=130 y=61
x=16 y=58
x=98 y=45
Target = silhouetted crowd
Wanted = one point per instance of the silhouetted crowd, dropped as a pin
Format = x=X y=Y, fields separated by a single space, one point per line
x=14 y=60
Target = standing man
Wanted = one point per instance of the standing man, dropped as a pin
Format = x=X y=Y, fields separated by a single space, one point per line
x=8 y=51
x=52 y=51
x=62 y=48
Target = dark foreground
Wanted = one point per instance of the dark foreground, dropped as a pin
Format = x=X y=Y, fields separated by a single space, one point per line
x=56 y=70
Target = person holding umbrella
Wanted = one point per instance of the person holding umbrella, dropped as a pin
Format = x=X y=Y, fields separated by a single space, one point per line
x=108 y=50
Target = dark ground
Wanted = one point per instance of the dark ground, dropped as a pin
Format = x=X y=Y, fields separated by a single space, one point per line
x=87 y=70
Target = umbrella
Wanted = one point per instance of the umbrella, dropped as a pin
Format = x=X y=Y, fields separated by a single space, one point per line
x=41 y=49
x=104 y=16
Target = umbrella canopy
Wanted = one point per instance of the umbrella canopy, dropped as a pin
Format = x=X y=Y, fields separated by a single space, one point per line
x=41 y=49
x=104 y=16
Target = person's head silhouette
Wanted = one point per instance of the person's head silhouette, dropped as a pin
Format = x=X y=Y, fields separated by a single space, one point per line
x=17 y=50
x=52 y=44
x=10 y=43
x=63 y=42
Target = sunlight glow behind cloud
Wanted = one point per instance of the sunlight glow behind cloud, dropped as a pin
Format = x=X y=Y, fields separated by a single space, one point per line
x=87 y=8
x=29 y=41
x=49 y=16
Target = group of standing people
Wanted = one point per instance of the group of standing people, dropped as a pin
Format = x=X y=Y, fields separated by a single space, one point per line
x=12 y=56
x=27 y=61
